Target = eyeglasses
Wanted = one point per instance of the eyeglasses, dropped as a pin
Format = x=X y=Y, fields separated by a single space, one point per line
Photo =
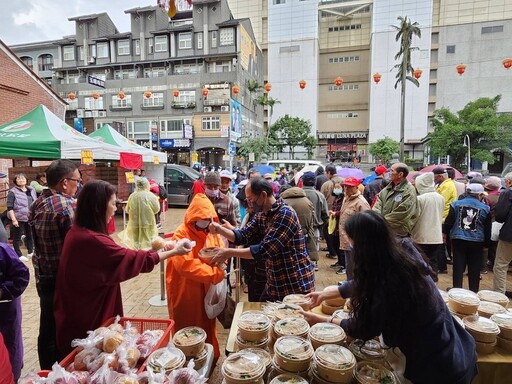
x=79 y=180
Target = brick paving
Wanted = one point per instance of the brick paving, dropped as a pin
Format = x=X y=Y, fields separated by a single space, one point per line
x=137 y=292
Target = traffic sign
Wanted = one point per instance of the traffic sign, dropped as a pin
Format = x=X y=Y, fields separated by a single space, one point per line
x=232 y=148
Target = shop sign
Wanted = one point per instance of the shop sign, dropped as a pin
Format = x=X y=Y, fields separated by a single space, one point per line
x=225 y=157
x=147 y=144
x=342 y=135
x=174 y=143
x=155 y=160
x=130 y=177
x=188 y=131
x=87 y=157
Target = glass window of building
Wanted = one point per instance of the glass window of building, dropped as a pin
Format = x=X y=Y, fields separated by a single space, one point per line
x=102 y=50
x=45 y=62
x=92 y=51
x=121 y=103
x=90 y=103
x=210 y=123
x=123 y=47
x=72 y=78
x=29 y=62
x=214 y=39
x=160 y=43
x=150 y=46
x=124 y=74
x=199 y=40
x=154 y=72
x=186 y=97
x=137 y=47
x=81 y=53
x=156 y=100
x=185 y=40
x=227 y=36
x=180 y=69
x=171 y=126
x=68 y=52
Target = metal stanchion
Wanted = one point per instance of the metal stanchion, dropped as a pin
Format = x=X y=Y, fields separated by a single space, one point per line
x=237 y=279
x=160 y=300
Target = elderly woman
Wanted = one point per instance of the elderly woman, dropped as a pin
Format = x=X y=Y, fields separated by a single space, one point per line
x=142 y=207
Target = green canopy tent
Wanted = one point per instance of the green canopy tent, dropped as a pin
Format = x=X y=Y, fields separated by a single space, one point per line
x=40 y=134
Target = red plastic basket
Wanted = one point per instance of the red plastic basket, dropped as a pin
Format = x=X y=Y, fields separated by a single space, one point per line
x=142 y=325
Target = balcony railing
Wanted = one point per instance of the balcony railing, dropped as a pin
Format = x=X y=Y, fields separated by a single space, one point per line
x=183 y=105
x=216 y=102
x=117 y=108
x=151 y=107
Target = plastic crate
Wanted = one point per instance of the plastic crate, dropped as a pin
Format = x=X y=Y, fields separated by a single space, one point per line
x=142 y=325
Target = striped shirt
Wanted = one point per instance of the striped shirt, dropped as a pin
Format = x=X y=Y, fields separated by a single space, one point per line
x=50 y=217
x=283 y=248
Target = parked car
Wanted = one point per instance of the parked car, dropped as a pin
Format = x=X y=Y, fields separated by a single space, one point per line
x=178 y=182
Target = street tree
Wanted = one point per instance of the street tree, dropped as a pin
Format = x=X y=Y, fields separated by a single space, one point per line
x=292 y=132
x=257 y=146
x=268 y=102
x=253 y=87
x=487 y=129
x=384 y=149
x=405 y=33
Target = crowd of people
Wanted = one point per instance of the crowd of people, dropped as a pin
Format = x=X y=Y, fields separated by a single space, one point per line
x=274 y=224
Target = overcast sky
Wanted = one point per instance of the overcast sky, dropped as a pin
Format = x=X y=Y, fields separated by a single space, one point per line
x=25 y=21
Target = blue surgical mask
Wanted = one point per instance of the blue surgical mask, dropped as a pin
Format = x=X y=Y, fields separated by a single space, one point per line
x=337 y=192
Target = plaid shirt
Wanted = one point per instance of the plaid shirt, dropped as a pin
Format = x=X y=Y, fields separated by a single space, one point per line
x=283 y=248
x=50 y=217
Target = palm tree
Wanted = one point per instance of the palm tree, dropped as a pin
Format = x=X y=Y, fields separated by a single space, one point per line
x=405 y=32
x=266 y=101
x=252 y=86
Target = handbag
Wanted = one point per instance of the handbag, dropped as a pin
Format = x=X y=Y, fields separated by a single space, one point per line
x=227 y=314
x=495 y=230
x=332 y=225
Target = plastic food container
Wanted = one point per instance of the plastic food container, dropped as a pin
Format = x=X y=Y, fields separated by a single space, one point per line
x=444 y=295
x=166 y=359
x=330 y=309
x=292 y=326
x=298 y=299
x=243 y=344
x=337 y=302
x=283 y=311
x=276 y=371
x=243 y=368
x=341 y=314
x=485 y=348
x=487 y=309
x=367 y=372
x=190 y=340
x=264 y=355
x=293 y=354
x=206 y=254
x=334 y=363
x=200 y=359
x=481 y=328
x=371 y=350
x=463 y=301
x=504 y=321
x=288 y=378
x=458 y=320
x=504 y=344
x=494 y=297
x=326 y=333
x=253 y=325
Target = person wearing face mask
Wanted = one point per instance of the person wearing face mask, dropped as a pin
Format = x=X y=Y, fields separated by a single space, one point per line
x=333 y=238
x=280 y=243
x=188 y=278
x=223 y=204
x=226 y=179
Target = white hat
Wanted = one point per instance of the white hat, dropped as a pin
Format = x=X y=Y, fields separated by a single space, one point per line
x=475 y=189
x=226 y=174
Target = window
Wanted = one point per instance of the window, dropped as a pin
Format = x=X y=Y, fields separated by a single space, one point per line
x=219 y=66
x=214 y=39
x=210 y=123
x=154 y=72
x=102 y=49
x=185 y=40
x=68 y=52
x=99 y=75
x=92 y=51
x=156 y=100
x=121 y=103
x=137 y=47
x=344 y=27
x=123 y=47
x=45 y=62
x=290 y=48
x=139 y=130
x=171 y=126
x=342 y=115
x=227 y=36
x=28 y=61
x=277 y=2
x=81 y=53
x=450 y=49
x=344 y=87
x=72 y=78
x=160 y=43
x=151 y=49
x=186 y=97
x=90 y=103
x=343 y=59
x=199 y=40
x=180 y=69
x=493 y=29
x=124 y=74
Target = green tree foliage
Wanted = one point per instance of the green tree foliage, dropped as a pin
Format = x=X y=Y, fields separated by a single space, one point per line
x=487 y=129
x=383 y=149
x=405 y=32
x=292 y=131
x=256 y=146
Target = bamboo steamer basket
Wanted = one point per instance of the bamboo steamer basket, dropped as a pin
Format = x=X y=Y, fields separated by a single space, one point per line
x=326 y=333
x=488 y=308
x=494 y=297
x=298 y=299
x=463 y=301
x=481 y=328
x=334 y=363
x=504 y=321
x=293 y=354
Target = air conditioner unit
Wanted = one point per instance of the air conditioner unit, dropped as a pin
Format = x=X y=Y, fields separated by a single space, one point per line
x=207 y=109
x=224 y=108
x=95 y=113
x=102 y=113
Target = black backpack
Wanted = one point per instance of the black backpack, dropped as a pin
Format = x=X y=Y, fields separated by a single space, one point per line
x=162 y=193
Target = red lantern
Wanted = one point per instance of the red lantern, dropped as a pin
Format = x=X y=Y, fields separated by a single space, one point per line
x=267 y=87
x=71 y=96
x=507 y=63
x=338 y=81
x=236 y=89
x=376 y=77
x=176 y=92
x=461 y=68
x=148 y=94
x=205 y=91
x=95 y=95
x=302 y=84
x=121 y=95
x=417 y=73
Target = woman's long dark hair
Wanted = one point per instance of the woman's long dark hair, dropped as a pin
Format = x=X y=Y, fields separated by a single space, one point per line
x=91 y=208
x=383 y=269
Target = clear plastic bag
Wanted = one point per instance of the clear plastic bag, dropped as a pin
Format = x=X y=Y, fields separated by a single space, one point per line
x=215 y=299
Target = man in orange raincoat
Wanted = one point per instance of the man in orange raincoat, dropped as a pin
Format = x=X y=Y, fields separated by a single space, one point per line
x=188 y=278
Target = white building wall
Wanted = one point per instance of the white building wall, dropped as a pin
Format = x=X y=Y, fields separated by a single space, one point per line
x=384 y=98
x=292 y=57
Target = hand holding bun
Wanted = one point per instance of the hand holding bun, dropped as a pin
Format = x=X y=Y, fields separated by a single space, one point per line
x=157 y=244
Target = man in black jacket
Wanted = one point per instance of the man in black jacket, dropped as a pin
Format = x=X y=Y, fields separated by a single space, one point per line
x=503 y=215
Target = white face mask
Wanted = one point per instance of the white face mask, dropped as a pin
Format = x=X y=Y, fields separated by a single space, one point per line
x=211 y=192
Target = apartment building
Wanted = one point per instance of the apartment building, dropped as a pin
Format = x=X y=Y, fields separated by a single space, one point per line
x=175 y=85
